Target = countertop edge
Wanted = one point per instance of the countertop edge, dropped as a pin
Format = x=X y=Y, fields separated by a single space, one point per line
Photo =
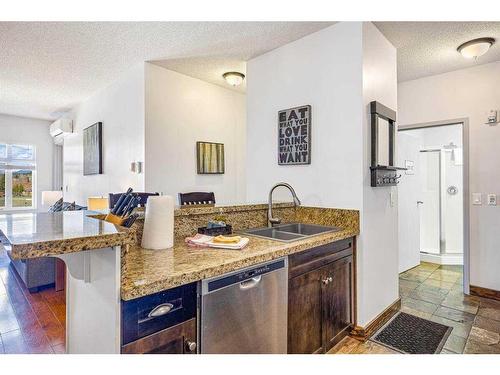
x=70 y=245
x=281 y=250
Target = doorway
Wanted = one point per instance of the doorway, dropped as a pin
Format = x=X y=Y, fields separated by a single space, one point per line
x=433 y=196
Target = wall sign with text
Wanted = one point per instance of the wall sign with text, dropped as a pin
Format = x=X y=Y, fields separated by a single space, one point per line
x=294 y=136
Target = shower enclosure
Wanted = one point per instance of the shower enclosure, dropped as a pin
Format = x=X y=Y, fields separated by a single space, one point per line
x=441 y=205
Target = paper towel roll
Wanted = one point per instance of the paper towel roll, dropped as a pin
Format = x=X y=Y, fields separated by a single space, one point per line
x=158 y=223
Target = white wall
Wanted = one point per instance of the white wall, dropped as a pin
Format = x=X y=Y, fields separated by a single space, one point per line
x=338 y=71
x=437 y=137
x=324 y=70
x=180 y=111
x=35 y=132
x=378 y=251
x=120 y=108
x=468 y=93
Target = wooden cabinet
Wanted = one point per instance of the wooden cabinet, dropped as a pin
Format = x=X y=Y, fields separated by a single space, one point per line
x=179 y=339
x=337 y=301
x=320 y=297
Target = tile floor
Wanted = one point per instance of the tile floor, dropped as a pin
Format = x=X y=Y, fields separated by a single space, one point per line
x=29 y=322
x=434 y=292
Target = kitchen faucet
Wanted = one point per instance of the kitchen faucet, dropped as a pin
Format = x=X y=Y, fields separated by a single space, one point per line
x=275 y=220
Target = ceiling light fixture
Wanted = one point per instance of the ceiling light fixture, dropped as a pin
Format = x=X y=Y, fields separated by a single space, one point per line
x=234 y=78
x=475 y=48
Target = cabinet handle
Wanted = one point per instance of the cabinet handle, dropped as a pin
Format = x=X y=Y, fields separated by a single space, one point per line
x=330 y=279
x=190 y=346
x=325 y=281
x=160 y=310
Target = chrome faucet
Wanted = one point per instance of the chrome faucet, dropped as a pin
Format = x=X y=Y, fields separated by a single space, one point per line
x=275 y=220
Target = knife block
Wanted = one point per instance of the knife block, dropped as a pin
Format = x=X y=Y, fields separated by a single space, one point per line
x=114 y=219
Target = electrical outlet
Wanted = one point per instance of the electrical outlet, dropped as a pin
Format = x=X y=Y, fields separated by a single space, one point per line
x=476 y=199
x=492 y=199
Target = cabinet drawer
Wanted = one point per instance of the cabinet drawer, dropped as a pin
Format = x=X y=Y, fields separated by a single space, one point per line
x=144 y=316
x=317 y=257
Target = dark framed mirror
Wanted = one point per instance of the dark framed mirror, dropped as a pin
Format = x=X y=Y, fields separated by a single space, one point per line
x=383 y=133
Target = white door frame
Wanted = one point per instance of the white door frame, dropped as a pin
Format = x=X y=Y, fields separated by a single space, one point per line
x=464 y=122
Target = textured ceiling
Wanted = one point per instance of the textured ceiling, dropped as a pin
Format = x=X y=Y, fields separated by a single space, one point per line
x=428 y=48
x=207 y=69
x=47 y=68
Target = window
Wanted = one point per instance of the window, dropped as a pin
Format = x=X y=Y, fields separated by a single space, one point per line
x=17 y=177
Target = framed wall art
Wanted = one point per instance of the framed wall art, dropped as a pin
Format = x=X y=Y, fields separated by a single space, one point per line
x=92 y=149
x=294 y=136
x=210 y=158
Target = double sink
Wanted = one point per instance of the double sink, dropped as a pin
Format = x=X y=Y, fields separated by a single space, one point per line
x=291 y=232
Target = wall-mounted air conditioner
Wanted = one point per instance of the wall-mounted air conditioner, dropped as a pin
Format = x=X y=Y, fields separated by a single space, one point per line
x=59 y=128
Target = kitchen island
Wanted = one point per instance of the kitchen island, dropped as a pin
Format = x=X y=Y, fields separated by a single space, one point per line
x=91 y=250
x=107 y=267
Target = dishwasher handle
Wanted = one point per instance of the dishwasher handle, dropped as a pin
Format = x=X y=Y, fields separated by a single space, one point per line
x=250 y=283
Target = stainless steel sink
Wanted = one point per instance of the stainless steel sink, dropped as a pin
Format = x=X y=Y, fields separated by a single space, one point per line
x=290 y=232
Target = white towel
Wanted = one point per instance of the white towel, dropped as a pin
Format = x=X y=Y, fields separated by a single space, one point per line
x=233 y=246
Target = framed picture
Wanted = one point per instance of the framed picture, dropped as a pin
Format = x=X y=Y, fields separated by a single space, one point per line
x=210 y=158
x=92 y=149
x=294 y=136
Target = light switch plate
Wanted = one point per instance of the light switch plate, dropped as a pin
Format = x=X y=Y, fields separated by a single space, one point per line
x=476 y=199
x=492 y=199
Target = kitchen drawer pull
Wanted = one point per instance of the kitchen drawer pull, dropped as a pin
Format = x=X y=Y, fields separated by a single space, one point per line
x=160 y=310
x=248 y=284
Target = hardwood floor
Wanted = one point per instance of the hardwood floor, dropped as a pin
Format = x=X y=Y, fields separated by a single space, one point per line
x=29 y=322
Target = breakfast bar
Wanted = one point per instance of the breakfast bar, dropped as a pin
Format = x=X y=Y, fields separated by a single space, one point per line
x=91 y=250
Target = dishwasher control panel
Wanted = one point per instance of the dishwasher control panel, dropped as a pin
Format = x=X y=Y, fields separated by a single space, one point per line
x=242 y=275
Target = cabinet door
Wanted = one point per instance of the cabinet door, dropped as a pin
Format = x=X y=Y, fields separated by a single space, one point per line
x=305 y=313
x=179 y=339
x=337 y=301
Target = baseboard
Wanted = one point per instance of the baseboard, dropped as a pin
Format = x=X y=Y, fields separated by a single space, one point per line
x=364 y=333
x=484 y=292
x=443 y=259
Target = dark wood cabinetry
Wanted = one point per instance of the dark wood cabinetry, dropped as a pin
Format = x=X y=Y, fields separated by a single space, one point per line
x=179 y=339
x=320 y=297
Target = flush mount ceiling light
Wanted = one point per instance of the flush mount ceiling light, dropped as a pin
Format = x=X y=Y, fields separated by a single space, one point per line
x=476 y=47
x=234 y=78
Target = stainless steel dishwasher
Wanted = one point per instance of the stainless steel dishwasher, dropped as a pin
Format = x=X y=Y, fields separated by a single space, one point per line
x=245 y=311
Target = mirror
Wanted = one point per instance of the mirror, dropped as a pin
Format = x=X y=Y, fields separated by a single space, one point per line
x=383 y=134
x=383 y=131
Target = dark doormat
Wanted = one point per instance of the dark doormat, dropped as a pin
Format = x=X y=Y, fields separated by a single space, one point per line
x=413 y=335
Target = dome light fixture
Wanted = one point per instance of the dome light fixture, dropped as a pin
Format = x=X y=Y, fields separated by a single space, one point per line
x=234 y=78
x=475 y=48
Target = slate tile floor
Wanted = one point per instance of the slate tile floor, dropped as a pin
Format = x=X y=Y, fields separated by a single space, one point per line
x=29 y=322
x=434 y=292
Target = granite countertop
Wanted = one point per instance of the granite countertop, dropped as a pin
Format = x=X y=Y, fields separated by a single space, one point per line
x=33 y=235
x=149 y=271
